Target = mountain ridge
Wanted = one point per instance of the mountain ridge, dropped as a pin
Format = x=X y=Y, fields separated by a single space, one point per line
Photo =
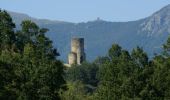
x=27 y=17
x=150 y=33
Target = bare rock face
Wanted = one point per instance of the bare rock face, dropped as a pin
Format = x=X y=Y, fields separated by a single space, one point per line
x=158 y=23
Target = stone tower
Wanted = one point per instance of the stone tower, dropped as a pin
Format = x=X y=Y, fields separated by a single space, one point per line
x=77 y=54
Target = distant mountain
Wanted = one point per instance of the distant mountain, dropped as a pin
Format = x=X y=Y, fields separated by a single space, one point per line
x=19 y=17
x=149 y=33
x=158 y=23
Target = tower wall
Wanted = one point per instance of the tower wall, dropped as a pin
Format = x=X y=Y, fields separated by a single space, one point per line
x=72 y=58
x=77 y=43
x=77 y=48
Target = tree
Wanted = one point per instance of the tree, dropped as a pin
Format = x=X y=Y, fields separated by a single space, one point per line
x=139 y=56
x=86 y=73
x=114 y=51
x=114 y=74
x=76 y=91
x=7 y=36
x=41 y=75
x=166 y=48
x=29 y=68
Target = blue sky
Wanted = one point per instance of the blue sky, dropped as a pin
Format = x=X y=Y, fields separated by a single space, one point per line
x=85 y=10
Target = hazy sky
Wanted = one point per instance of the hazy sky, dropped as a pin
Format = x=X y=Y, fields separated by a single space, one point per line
x=85 y=10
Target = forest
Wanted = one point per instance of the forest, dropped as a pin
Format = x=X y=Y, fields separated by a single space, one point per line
x=30 y=70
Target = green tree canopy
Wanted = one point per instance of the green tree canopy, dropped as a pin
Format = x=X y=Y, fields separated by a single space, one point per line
x=29 y=69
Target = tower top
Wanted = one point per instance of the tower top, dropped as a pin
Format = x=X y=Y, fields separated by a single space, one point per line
x=77 y=38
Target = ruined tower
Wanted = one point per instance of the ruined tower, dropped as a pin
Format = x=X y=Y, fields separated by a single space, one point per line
x=77 y=54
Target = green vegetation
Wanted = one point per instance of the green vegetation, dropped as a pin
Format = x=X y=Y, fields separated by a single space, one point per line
x=28 y=66
x=29 y=70
x=124 y=76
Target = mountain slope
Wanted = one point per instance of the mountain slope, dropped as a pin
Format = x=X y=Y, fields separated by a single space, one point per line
x=158 y=23
x=149 y=33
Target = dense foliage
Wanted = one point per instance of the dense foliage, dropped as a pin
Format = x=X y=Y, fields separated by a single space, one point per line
x=28 y=66
x=125 y=76
x=29 y=70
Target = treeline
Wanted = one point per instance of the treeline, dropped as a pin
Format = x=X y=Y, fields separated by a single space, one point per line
x=29 y=70
x=122 y=76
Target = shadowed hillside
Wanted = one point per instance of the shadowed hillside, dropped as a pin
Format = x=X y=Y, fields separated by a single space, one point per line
x=149 y=33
